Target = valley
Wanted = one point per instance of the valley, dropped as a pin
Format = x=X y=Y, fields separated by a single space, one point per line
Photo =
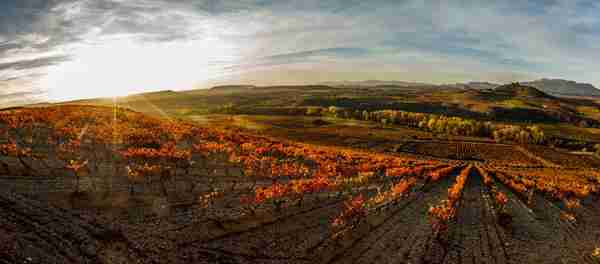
x=297 y=183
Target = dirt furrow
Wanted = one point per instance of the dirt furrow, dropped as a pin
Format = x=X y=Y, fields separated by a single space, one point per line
x=565 y=239
x=383 y=233
x=44 y=234
x=496 y=247
x=535 y=228
x=412 y=245
x=194 y=234
x=290 y=236
x=476 y=239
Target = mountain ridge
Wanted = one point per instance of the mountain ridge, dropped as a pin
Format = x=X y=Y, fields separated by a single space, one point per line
x=564 y=87
x=557 y=87
x=520 y=90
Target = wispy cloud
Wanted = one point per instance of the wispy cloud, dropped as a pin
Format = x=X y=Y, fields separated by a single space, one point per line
x=30 y=64
x=438 y=41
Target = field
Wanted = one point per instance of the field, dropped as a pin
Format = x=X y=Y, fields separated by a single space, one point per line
x=521 y=105
x=133 y=188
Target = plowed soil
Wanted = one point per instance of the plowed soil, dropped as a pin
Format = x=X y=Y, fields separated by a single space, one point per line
x=32 y=231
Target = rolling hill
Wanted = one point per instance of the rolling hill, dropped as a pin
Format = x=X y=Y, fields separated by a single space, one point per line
x=564 y=87
x=373 y=83
x=518 y=90
x=556 y=87
x=509 y=103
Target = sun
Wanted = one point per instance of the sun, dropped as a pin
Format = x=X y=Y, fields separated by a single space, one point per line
x=122 y=66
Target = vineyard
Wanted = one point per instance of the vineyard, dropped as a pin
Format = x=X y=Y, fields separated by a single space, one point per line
x=564 y=159
x=498 y=154
x=142 y=189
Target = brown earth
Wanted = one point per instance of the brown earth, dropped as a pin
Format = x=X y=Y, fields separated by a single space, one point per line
x=32 y=231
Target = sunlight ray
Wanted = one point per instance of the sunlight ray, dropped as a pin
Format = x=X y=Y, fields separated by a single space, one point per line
x=156 y=108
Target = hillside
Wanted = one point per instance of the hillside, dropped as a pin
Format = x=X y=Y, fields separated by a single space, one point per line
x=231 y=88
x=34 y=231
x=557 y=87
x=373 y=83
x=520 y=103
x=564 y=87
x=475 y=85
x=104 y=185
x=519 y=90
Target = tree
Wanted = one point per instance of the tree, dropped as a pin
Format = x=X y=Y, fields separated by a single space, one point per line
x=313 y=111
x=523 y=137
x=365 y=115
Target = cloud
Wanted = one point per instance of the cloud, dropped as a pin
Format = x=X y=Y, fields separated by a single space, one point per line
x=18 y=95
x=9 y=96
x=308 y=56
x=6 y=47
x=32 y=63
x=320 y=52
x=437 y=40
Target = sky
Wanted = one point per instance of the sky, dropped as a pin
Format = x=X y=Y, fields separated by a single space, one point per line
x=68 y=49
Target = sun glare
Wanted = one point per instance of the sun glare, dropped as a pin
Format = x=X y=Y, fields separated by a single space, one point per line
x=117 y=67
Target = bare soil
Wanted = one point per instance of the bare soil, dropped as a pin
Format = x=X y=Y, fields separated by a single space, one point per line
x=32 y=231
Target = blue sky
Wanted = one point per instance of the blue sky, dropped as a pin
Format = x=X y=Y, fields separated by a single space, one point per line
x=66 y=49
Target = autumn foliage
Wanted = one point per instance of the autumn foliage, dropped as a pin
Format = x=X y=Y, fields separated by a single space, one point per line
x=148 y=150
x=445 y=211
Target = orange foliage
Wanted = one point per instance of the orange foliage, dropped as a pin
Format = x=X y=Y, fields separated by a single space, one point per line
x=455 y=191
x=501 y=199
x=354 y=210
x=440 y=173
x=442 y=213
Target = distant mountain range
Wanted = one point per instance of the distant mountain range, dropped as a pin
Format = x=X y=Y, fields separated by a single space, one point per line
x=474 y=85
x=522 y=91
x=556 y=87
x=373 y=83
x=564 y=87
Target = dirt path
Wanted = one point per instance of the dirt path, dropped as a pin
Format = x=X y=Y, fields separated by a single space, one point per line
x=475 y=237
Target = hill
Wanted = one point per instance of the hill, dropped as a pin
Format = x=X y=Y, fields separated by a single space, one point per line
x=373 y=83
x=185 y=193
x=509 y=103
x=564 y=87
x=231 y=88
x=476 y=85
x=556 y=87
x=519 y=90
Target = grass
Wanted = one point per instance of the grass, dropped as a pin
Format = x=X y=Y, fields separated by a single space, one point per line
x=571 y=131
x=339 y=132
x=589 y=111
x=518 y=103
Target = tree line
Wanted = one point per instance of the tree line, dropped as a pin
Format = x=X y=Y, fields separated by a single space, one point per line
x=449 y=125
